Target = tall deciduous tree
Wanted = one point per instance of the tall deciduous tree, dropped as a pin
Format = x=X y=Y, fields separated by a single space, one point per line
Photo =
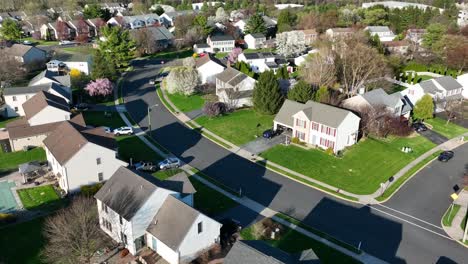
x=182 y=80
x=301 y=92
x=10 y=30
x=319 y=68
x=290 y=43
x=433 y=35
x=100 y=87
x=376 y=17
x=267 y=97
x=255 y=24
x=10 y=69
x=73 y=234
x=287 y=19
x=117 y=46
x=322 y=95
x=424 y=108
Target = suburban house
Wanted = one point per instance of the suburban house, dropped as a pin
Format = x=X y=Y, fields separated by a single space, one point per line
x=60 y=29
x=27 y=55
x=335 y=33
x=201 y=48
x=398 y=5
x=221 y=43
x=441 y=89
x=400 y=47
x=300 y=59
x=167 y=19
x=310 y=35
x=83 y=65
x=234 y=88
x=242 y=23
x=262 y=61
x=255 y=40
x=133 y=22
x=208 y=67
x=198 y=6
x=160 y=35
x=463 y=80
x=141 y=211
x=394 y=103
x=15 y=97
x=43 y=113
x=259 y=252
x=319 y=124
x=81 y=156
x=415 y=35
x=47 y=76
x=384 y=33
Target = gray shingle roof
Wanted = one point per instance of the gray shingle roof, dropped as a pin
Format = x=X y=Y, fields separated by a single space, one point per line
x=378 y=29
x=258 y=252
x=179 y=183
x=321 y=113
x=126 y=192
x=231 y=76
x=20 y=50
x=380 y=97
x=258 y=35
x=36 y=88
x=221 y=37
x=54 y=76
x=429 y=87
x=158 y=33
x=448 y=82
x=173 y=213
x=259 y=55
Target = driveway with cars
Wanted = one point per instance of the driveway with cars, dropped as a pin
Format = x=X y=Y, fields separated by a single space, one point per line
x=380 y=231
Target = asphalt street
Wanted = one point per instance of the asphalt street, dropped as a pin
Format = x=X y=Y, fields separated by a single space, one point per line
x=383 y=231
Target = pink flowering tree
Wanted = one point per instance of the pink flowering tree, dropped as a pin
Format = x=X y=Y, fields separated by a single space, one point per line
x=232 y=58
x=100 y=87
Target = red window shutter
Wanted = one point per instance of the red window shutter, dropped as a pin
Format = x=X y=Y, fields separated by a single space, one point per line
x=332 y=145
x=334 y=132
x=297 y=122
x=305 y=124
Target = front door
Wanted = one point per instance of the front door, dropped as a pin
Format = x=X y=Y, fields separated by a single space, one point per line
x=154 y=242
x=140 y=243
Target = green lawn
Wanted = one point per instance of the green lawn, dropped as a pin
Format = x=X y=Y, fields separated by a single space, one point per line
x=173 y=54
x=361 y=170
x=450 y=214
x=38 y=197
x=99 y=119
x=165 y=174
x=439 y=69
x=41 y=41
x=238 y=127
x=186 y=103
x=11 y=160
x=293 y=242
x=258 y=50
x=221 y=55
x=22 y=243
x=210 y=201
x=163 y=100
x=4 y=121
x=86 y=49
x=449 y=130
x=133 y=147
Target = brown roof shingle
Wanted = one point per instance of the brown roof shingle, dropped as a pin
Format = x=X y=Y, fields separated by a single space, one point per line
x=40 y=101
x=17 y=130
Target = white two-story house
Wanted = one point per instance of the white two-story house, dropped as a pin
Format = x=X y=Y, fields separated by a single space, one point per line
x=208 y=67
x=319 y=124
x=81 y=156
x=139 y=210
x=234 y=88
x=221 y=43
x=262 y=61
x=255 y=40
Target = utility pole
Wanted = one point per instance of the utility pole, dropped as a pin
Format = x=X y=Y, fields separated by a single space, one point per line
x=149 y=117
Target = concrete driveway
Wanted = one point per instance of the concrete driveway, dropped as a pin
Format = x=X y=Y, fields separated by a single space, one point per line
x=262 y=144
x=433 y=136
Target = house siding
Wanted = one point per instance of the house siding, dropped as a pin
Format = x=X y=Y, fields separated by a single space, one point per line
x=208 y=71
x=162 y=249
x=18 y=144
x=49 y=115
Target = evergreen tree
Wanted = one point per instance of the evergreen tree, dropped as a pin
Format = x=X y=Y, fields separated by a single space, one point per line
x=424 y=108
x=118 y=47
x=301 y=92
x=102 y=68
x=286 y=20
x=267 y=97
x=10 y=30
x=282 y=73
x=322 y=95
x=255 y=24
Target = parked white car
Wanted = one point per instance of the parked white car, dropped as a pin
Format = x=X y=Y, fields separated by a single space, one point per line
x=123 y=131
x=169 y=163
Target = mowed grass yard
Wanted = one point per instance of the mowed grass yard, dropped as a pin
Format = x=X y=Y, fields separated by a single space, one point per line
x=239 y=127
x=38 y=197
x=362 y=168
x=11 y=160
x=97 y=119
x=186 y=103
x=449 y=130
x=22 y=243
x=209 y=201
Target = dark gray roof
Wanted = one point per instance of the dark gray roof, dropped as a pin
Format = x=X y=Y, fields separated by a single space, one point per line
x=407 y=105
x=54 y=76
x=126 y=192
x=231 y=76
x=172 y=222
x=429 y=87
x=158 y=33
x=380 y=97
x=221 y=37
x=378 y=29
x=202 y=45
x=207 y=58
x=36 y=88
x=179 y=183
x=448 y=82
x=271 y=64
x=321 y=113
x=259 y=55
x=257 y=35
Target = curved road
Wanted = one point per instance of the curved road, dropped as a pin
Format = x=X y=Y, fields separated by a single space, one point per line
x=395 y=236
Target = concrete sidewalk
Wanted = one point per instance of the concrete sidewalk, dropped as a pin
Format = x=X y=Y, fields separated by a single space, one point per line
x=364 y=199
x=252 y=205
x=454 y=230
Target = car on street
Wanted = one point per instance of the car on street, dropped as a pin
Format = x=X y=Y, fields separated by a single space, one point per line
x=169 y=163
x=108 y=130
x=27 y=42
x=81 y=106
x=123 y=131
x=270 y=133
x=446 y=156
x=66 y=42
x=419 y=127
x=146 y=166
x=152 y=81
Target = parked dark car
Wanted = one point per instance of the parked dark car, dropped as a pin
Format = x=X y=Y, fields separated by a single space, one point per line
x=146 y=166
x=419 y=127
x=270 y=133
x=446 y=156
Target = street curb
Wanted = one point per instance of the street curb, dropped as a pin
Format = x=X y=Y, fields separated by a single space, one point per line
x=443 y=227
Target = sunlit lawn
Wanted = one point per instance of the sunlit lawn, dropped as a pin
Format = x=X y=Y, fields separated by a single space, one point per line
x=186 y=103
x=449 y=130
